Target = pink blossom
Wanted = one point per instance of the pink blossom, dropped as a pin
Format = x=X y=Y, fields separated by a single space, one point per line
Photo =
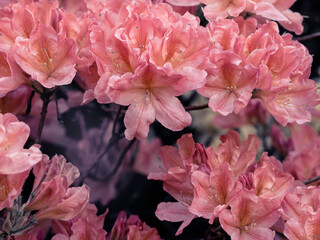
x=47 y=56
x=181 y=51
x=150 y=94
x=132 y=229
x=229 y=83
x=302 y=161
x=10 y=188
x=51 y=195
x=232 y=8
x=175 y=212
x=11 y=76
x=238 y=155
x=13 y=157
x=250 y=217
x=179 y=164
x=301 y=213
x=86 y=225
x=269 y=180
x=70 y=206
x=213 y=192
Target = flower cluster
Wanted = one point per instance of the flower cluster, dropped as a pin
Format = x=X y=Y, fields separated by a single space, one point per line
x=143 y=55
x=262 y=10
x=248 y=197
x=117 y=66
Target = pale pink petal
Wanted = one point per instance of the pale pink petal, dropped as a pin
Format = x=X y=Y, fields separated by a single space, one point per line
x=73 y=203
x=169 y=111
x=138 y=118
x=175 y=212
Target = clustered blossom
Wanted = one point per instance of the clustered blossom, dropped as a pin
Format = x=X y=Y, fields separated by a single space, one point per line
x=277 y=10
x=145 y=55
x=226 y=183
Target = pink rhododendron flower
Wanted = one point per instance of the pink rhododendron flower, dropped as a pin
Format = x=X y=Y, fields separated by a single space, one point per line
x=302 y=161
x=261 y=9
x=48 y=57
x=268 y=180
x=151 y=94
x=182 y=50
x=223 y=8
x=132 y=229
x=239 y=155
x=213 y=192
x=10 y=188
x=11 y=76
x=180 y=164
x=52 y=197
x=86 y=225
x=15 y=102
x=250 y=217
x=229 y=83
x=301 y=213
x=13 y=157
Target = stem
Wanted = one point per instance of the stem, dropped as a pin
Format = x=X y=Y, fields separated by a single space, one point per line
x=114 y=127
x=307 y=37
x=204 y=106
x=28 y=110
x=45 y=103
x=311 y=180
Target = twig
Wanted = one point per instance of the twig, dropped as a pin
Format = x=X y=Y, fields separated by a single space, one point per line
x=196 y=107
x=45 y=96
x=307 y=37
x=311 y=180
x=45 y=103
x=114 y=127
x=28 y=110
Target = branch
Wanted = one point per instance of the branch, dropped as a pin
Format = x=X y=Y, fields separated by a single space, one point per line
x=311 y=180
x=45 y=96
x=307 y=37
x=45 y=103
x=204 y=106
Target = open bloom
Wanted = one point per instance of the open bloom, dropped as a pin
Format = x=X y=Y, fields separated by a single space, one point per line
x=52 y=196
x=47 y=56
x=250 y=217
x=151 y=94
x=13 y=136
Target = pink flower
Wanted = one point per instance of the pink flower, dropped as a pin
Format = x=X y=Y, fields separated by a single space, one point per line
x=132 y=229
x=13 y=157
x=86 y=225
x=214 y=9
x=269 y=180
x=150 y=94
x=51 y=195
x=239 y=155
x=182 y=50
x=180 y=163
x=229 y=83
x=250 y=217
x=301 y=213
x=11 y=76
x=48 y=57
x=10 y=188
x=213 y=192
